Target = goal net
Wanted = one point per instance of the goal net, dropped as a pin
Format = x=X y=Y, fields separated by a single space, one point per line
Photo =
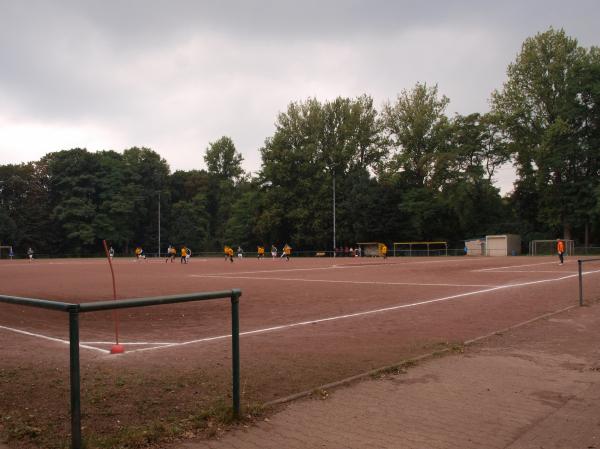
x=420 y=249
x=548 y=247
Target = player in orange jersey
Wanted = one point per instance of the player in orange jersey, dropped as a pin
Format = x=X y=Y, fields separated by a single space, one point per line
x=560 y=249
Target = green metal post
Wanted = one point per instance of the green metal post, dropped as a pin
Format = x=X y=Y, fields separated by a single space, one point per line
x=75 y=379
x=235 y=349
x=579 y=264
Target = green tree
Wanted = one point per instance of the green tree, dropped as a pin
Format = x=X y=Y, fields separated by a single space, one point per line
x=540 y=110
x=190 y=223
x=224 y=174
x=417 y=130
x=223 y=160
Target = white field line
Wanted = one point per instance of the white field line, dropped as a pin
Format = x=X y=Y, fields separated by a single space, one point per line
x=254 y=278
x=364 y=313
x=302 y=323
x=45 y=337
x=139 y=343
x=331 y=267
x=537 y=271
x=515 y=266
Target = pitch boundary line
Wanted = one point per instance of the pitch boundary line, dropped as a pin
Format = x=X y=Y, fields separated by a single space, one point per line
x=337 y=281
x=58 y=340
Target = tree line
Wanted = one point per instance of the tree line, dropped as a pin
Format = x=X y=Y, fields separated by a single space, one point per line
x=406 y=171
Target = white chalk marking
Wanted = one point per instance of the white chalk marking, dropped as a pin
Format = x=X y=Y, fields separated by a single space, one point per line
x=233 y=276
x=45 y=337
x=516 y=266
x=132 y=343
x=538 y=271
x=364 y=313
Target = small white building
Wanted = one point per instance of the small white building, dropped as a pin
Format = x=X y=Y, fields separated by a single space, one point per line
x=503 y=245
x=475 y=247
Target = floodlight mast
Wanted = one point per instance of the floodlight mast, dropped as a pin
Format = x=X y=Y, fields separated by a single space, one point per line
x=334 y=246
x=159 y=223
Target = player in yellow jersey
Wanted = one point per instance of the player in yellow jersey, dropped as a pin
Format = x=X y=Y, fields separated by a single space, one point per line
x=383 y=250
x=139 y=254
x=287 y=251
x=171 y=253
x=261 y=252
x=183 y=254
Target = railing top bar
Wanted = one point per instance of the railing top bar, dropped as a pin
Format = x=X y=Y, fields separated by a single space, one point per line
x=40 y=303
x=141 y=302
x=589 y=260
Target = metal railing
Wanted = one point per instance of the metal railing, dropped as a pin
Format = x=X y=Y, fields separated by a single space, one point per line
x=580 y=263
x=75 y=309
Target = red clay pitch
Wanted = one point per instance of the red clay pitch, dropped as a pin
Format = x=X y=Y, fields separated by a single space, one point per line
x=470 y=297
x=304 y=323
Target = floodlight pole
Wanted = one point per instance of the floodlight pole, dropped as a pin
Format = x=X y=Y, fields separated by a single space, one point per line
x=159 y=223
x=334 y=213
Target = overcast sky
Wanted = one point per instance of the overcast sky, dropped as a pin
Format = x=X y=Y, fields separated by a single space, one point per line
x=176 y=75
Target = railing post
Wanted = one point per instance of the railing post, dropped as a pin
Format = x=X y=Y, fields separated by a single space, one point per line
x=235 y=350
x=579 y=264
x=75 y=378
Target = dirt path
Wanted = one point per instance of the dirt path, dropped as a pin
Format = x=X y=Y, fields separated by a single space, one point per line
x=534 y=387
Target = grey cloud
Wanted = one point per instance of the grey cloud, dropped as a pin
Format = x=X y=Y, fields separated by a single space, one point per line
x=177 y=74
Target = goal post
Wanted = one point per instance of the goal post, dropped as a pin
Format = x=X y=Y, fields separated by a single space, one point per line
x=6 y=252
x=438 y=248
x=548 y=247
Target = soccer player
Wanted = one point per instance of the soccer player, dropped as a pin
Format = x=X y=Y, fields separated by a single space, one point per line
x=30 y=254
x=287 y=251
x=188 y=254
x=560 y=249
x=111 y=253
x=383 y=250
x=273 y=252
x=230 y=253
x=261 y=252
x=139 y=253
x=240 y=252
x=183 y=254
x=171 y=253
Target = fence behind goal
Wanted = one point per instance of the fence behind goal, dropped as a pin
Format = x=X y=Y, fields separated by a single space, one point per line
x=420 y=249
x=548 y=247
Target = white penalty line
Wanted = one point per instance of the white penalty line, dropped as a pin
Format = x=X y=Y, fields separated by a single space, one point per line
x=334 y=281
x=359 y=314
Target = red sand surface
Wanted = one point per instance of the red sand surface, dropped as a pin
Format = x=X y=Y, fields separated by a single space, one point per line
x=332 y=318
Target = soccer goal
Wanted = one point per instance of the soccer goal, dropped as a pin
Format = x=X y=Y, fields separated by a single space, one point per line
x=6 y=252
x=420 y=249
x=369 y=249
x=548 y=247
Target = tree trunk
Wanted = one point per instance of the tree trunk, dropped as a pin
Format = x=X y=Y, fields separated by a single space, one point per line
x=587 y=236
x=568 y=232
